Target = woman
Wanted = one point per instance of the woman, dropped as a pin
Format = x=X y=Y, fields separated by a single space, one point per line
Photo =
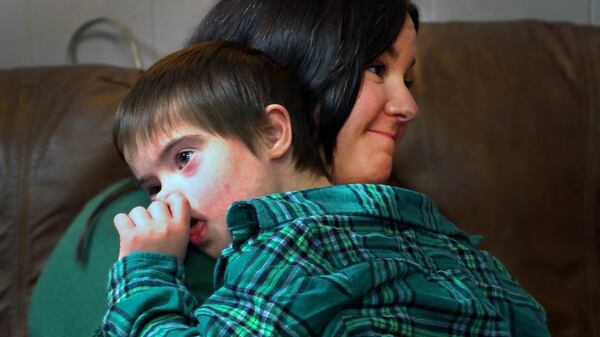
x=353 y=59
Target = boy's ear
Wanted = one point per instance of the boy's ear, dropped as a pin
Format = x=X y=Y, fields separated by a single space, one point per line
x=279 y=137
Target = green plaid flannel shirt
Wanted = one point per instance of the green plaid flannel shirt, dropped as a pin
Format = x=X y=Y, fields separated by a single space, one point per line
x=352 y=260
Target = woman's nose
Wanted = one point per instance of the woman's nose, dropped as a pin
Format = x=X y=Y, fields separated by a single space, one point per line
x=401 y=105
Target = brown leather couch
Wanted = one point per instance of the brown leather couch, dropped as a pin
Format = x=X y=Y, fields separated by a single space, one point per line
x=508 y=144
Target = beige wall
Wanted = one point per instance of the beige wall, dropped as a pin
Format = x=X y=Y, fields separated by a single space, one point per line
x=578 y=11
x=36 y=32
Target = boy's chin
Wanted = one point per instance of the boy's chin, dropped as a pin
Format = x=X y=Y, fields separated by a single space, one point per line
x=206 y=247
x=202 y=247
x=210 y=247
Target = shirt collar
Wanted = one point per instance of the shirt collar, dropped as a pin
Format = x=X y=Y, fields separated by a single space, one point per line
x=247 y=218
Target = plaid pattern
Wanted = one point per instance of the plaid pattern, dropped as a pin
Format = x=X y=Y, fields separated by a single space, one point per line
x=353 y=260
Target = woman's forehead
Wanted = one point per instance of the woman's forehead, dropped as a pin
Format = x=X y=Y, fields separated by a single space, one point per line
x=405 y=43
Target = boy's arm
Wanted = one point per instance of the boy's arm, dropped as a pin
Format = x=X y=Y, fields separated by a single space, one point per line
x=147 y=297
x=278 y=283
x=147 y=293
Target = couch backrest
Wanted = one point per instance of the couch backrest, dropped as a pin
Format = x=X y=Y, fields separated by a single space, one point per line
x=508 y=145
x=55 y=153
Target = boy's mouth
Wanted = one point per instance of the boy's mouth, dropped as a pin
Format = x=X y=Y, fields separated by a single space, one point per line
x=198 y=231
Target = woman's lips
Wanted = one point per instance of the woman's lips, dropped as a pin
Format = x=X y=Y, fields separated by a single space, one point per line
x=385 y=134
x=198 y=230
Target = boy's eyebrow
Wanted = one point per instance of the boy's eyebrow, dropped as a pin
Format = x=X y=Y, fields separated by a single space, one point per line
x=173 y=143
x=164 y=152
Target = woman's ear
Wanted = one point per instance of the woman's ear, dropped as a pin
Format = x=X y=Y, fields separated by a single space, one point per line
x=279 y=135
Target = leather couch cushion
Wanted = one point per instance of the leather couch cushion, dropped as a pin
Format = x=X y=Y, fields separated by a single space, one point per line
x=55 y=153
x=508 y=145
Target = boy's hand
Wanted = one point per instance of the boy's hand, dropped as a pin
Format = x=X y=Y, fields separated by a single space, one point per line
x=162 y=228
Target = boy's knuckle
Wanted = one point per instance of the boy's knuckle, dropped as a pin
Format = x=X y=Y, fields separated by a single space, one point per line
x=137 y=210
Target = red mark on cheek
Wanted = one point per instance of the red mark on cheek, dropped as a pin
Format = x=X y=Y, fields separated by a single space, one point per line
x=224 y=192
x=190 y=168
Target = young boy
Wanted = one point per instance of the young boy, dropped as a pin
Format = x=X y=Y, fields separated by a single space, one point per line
x=218 y=123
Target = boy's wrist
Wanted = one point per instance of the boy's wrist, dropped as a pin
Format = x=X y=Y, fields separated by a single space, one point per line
x=139 y=261
x=149 y=253
x=149 y=266
x=145 y=255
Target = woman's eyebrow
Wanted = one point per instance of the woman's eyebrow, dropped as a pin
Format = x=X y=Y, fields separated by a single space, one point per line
x=394 y=54
x=392 y=51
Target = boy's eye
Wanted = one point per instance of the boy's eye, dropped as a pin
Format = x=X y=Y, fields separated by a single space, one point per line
x=376 y=68
x=183 y=158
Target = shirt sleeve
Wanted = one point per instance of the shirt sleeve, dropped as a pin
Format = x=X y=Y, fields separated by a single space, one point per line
x=147 y=297
x=281 y=283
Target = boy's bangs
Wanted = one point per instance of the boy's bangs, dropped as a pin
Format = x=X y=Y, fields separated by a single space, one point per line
x=138 y=128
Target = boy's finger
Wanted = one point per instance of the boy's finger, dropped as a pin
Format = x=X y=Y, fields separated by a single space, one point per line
x=123 y=223
x=180 y=208
x=140 y=216
x=159 y=211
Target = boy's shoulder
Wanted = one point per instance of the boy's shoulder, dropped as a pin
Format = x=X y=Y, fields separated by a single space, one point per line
x=334 y=221
x=352 y=235
x=376 y=203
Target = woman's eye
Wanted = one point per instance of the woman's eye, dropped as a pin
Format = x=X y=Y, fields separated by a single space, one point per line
x=377 y=68
x=183 y=158
x=409 y=83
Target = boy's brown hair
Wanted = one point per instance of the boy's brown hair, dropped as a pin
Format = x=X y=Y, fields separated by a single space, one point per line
x=220 y=87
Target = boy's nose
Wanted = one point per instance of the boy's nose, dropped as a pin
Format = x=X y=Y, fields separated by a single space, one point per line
x=165 y=190
x=162 y=195
x=170 y=185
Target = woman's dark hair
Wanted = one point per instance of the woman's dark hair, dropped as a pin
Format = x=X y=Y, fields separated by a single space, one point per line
x=220 y=87
x=326 y=43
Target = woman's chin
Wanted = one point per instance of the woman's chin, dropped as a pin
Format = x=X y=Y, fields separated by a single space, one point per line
x=377 y=171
